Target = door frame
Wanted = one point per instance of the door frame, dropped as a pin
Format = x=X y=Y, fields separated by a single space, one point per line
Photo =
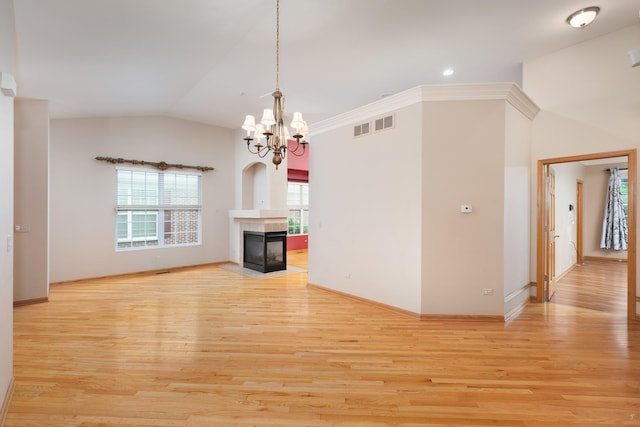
x=579 y=218
x=631 y=251
x=549 y=232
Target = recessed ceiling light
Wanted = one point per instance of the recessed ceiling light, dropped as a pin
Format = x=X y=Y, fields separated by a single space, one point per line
x=583 y=17
x=448 y=72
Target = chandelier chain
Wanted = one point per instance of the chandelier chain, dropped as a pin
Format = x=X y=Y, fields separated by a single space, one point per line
x=272 y=126
x=278 y=44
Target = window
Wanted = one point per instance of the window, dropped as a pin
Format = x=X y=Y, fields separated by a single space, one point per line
x=624 y=192
x=155 y=209
x=298 y=203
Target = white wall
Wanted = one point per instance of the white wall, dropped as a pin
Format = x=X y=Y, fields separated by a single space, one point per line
x=588 y=102
x=463 y=163
x=567 y=175
x=82 y=192
x=6 y=203
x=31 y=210
x=517 y=223
x=385 y=218
x=592 y=86
x=365 y=211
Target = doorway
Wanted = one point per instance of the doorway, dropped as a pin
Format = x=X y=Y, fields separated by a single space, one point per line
x=542 y=236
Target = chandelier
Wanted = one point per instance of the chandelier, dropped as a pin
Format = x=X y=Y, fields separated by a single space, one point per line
x=271 y=126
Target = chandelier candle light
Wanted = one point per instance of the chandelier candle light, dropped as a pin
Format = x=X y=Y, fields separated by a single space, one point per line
x=272 y=127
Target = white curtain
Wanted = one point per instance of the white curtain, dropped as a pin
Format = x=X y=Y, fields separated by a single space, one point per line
x=614 y=224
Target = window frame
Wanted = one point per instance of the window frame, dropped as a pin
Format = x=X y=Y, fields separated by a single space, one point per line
x=624 y=183
x=301 y=209
x=130 y=214
x=161 y=208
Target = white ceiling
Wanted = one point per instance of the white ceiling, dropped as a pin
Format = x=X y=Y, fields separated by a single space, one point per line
x=213 y=61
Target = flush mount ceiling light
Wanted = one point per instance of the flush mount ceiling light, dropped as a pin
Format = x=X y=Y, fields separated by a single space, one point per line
x=583 y=17
x=272 y=127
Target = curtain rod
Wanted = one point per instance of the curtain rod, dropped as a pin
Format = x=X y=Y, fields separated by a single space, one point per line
x=620 y=169
x=159 y=165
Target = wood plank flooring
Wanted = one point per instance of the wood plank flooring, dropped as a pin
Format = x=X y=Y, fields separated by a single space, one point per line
x=597 y=285
x=210 y=347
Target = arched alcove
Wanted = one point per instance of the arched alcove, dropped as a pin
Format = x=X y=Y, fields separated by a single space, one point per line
x=254 y=187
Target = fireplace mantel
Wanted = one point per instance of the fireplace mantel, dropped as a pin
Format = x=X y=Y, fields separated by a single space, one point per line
x=258 y=214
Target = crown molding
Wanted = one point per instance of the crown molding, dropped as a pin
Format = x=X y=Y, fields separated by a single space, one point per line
x=508 y=92
x=522 y=102
x=366 y=112
x=7 y=84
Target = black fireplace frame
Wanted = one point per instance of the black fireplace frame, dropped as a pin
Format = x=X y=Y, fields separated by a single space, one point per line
x=267 y=236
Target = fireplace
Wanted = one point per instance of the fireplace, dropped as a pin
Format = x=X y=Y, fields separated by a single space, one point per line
x=265 y=251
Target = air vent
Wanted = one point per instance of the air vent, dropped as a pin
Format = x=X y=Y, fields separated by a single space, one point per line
x=383 y=123
x=361 y=129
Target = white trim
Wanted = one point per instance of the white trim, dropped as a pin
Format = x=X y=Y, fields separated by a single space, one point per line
x=363 y=114
x=509 y=92
x=8 y=84
x=259 y=213
x=516 y=293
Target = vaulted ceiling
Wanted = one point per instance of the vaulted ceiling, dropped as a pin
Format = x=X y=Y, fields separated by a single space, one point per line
x=213 y=61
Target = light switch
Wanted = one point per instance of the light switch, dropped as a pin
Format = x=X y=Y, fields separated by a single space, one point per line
x=22 y=228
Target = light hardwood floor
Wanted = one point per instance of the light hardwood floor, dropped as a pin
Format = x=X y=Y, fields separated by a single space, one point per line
x=210 y=347
x=597 y=285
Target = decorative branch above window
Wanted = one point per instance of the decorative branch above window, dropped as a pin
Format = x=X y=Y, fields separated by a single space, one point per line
x=158 y=165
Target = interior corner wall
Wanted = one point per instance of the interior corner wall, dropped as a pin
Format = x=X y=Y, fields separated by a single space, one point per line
x=6 y=202
x=463 y=164
x=571 y=121
x=365 y=211
x=82 y=216
x=517 y=204
x=6 y=241
x=31 y=201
